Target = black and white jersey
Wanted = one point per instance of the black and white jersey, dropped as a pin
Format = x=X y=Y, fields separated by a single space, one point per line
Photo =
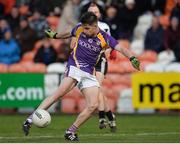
x=103 y=26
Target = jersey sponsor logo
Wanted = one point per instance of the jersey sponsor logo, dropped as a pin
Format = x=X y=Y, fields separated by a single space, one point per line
x=90 y=41
x=98 y=43
x=88 y=46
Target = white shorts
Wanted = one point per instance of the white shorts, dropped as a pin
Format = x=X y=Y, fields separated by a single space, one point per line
x=84 y=79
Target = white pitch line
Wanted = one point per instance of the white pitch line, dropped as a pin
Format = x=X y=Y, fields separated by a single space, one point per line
x=97 y=135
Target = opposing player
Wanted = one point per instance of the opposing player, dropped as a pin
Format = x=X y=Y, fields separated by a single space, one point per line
x=80 y=68
x=101 y=69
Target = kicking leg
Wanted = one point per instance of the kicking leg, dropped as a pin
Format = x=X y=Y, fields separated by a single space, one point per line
x=67 y=84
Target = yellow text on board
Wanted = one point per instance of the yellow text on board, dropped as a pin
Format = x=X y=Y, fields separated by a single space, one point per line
x=156 y=90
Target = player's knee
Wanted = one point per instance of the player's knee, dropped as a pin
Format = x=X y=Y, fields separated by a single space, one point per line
x=93 y=107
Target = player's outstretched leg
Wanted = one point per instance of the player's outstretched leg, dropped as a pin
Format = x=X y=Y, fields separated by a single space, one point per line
x=70 y=134
x=67 y=84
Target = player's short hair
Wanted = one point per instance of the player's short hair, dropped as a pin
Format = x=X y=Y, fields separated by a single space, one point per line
x=88 y=18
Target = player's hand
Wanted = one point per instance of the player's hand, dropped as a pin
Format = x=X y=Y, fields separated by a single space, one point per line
x=113 y=55
x=49 y=33
x=135 y=62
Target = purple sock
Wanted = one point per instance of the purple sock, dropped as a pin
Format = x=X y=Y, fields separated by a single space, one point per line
x=72 y=129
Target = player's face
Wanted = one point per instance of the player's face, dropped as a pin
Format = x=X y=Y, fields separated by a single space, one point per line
x=95 y=10
x=90 y=30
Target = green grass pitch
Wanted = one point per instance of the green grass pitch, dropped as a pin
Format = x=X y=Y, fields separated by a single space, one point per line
x=131 y=128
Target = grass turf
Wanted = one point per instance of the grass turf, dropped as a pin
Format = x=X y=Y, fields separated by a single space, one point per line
x=131 y=128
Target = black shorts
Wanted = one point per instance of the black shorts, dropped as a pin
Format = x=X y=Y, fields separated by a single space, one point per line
x=102 y=65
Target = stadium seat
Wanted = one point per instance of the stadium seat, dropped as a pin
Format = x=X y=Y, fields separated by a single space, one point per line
x=145 y=19
x=144 y=64
x=148 y=55
x=3 y=68
x=114 y=68
x=155 y=67
x=119 y=87
x=137 y=46
x=173 y=67
x=165 y=57
x=37 y=68
x=144 y=22
x=17 y=68
x=68 y=105
x=124 y=104
x=126 y=66
x=28 y=56
x=56 y=68
x=107 y=82
x=120 y=79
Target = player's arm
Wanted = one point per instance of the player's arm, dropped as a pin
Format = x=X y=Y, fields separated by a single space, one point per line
x=52 y=34
x=134 y=61
x=73 y=42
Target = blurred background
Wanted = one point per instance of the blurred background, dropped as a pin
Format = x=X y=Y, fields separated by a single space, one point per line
x=31 y=66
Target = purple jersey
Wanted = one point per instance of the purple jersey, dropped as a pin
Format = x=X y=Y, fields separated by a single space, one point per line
x=87 y=50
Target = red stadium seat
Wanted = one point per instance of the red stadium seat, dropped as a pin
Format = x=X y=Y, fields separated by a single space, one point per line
x=3 y=68
x=126 y=66
x=148 y=56
x=37 y=68
x=120 y=79
x=68 y=105
x=28 y=56
x=119 y=87
x=17 y=68
x=107 y=81
x=114 y=67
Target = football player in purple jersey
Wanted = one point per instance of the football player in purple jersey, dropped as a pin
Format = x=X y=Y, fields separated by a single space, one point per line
x=91 y=41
